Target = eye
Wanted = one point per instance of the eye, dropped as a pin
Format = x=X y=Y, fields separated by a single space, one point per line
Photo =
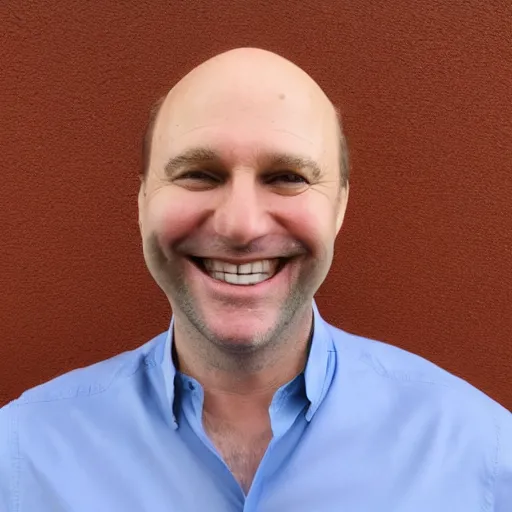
x=197 y=175
x=197 y=180
x=287 y=179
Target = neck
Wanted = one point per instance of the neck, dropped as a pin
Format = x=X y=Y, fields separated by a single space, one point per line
x=235 y=382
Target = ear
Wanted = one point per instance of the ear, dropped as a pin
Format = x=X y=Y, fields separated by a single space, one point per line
x=141 y=200
x=342 y=207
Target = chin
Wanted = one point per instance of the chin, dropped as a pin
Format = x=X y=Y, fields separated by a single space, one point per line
x=236 y=318
x=239 y=333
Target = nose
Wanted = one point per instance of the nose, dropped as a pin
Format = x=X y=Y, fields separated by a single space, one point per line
x=241 y=216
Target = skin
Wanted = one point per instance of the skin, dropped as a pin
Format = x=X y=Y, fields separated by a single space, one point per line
x=244 y=166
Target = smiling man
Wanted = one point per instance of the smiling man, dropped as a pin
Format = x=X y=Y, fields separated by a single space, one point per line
x=250 y=401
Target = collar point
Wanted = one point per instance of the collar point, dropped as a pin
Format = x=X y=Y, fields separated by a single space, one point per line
x=310 y=412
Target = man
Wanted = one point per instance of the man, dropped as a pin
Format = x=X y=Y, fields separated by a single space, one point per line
x=251 y=401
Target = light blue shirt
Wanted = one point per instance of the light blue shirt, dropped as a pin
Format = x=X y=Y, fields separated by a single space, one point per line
x=367 y=428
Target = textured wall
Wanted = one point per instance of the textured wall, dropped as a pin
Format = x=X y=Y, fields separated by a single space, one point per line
x=424 y=259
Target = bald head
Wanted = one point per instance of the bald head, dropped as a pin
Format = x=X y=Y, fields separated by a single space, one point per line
x=254 y=80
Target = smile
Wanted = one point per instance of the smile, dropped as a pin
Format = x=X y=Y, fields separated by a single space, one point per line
x=246 y=274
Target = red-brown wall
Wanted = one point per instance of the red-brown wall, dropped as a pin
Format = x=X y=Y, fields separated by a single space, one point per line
x=425 y=89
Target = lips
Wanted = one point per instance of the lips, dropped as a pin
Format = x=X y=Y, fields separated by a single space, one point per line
x=245 y=274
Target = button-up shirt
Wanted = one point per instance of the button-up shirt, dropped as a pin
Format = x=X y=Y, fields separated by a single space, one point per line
x=367 y=427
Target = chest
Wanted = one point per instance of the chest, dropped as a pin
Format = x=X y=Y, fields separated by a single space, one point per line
x=241 y=448
x=322 y=473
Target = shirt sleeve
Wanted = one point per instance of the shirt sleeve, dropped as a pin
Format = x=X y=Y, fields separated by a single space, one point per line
x=5 y=457
x=503 y=494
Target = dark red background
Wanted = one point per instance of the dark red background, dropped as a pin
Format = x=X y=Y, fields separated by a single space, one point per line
x=425 y=90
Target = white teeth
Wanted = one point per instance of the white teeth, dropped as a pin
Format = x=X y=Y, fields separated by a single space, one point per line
x=244 y=279
x=257 y=267
x=244 y=269
x=246 y=274
x=220 y=266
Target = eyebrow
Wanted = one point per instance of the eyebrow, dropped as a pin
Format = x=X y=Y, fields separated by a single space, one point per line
x=203 y=155
x=190 y=157
x=291 y=162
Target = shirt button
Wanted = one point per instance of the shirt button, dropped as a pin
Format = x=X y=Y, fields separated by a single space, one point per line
x=191 y=386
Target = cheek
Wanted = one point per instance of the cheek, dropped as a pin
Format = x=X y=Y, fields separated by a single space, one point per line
x=170 y=217
x=311 y=222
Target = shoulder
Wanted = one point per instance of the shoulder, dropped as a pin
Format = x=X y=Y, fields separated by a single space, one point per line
x=419 y=383
x=56 y=401
x=503 y=485
x=413 y=387
x=7 y=442
x=96 y=378
x=399 y=365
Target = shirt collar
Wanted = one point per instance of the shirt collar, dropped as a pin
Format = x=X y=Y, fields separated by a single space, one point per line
x=320 y=364
x=318 y=373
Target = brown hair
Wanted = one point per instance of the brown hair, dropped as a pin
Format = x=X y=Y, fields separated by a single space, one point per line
x=147 y=139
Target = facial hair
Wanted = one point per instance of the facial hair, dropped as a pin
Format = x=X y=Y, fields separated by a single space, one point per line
x=165 y=267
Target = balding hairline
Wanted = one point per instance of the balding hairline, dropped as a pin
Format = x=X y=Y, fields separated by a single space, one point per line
x=147 y=139
x=147 y=142
x=344 y=160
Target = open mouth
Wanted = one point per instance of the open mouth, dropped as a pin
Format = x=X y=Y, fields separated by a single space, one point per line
x=246 y=274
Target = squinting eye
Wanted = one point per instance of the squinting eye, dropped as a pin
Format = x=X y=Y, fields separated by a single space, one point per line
x=197 y=176
x=288 y=178
x=197 y=180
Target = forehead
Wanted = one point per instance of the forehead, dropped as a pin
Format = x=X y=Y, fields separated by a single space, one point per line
x=240 y=121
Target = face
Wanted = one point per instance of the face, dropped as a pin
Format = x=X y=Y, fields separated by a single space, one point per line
x=240 y=210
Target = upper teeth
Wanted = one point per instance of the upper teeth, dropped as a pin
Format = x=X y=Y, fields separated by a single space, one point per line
x=255 y=267
x=248 y=273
